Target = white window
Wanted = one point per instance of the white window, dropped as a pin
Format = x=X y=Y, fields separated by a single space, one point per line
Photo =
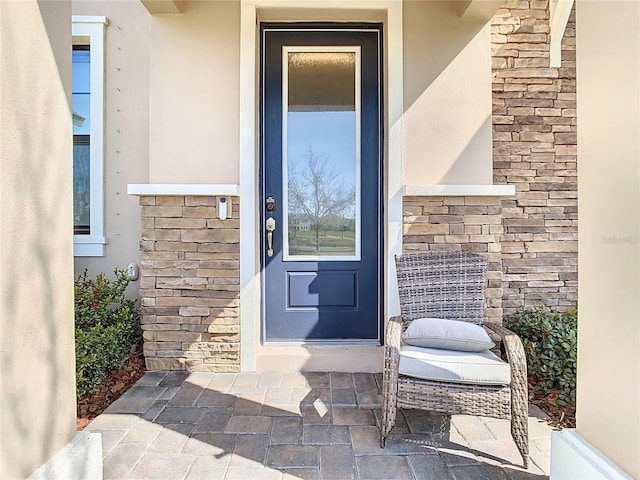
x=88 y=135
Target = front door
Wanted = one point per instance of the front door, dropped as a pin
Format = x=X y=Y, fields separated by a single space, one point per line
x=321 y=157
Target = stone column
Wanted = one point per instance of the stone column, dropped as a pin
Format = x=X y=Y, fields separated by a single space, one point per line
x=190 y=284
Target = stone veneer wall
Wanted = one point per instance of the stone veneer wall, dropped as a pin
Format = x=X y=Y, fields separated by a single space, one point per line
x=470 y=224
x=534 y=138
x=190 y=284
x=531 y=239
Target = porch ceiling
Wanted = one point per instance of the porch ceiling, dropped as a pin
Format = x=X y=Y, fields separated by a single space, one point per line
x=163 y=6
x=471 y=9
x=480 y=9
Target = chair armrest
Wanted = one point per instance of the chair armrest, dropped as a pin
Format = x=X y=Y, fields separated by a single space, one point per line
x=519 y=384
x=513 y=348
x=393 y=339
x=393 y=333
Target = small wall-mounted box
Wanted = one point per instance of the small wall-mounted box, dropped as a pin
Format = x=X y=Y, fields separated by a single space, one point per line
x=133 y=271
x=224 y=206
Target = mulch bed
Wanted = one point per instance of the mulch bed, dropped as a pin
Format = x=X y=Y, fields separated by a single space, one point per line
x=559 y=416
x=118 y=382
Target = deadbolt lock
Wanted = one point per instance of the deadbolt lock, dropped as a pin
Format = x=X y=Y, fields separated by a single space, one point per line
x=270 y=204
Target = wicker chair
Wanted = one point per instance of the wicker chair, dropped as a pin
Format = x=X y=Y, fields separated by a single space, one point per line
x=450 y=285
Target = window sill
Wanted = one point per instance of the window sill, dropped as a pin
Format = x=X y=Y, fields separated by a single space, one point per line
x=88 y=246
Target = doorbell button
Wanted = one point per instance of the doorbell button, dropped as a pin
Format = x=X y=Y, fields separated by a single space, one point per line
x=222 y=208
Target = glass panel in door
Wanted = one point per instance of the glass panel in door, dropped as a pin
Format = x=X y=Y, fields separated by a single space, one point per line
x=321 y=140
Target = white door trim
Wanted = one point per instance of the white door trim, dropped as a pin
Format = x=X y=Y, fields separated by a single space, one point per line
x=249 y=146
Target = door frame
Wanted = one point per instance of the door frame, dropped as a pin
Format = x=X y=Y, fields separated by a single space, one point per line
x=327 y=27
x=252 y=12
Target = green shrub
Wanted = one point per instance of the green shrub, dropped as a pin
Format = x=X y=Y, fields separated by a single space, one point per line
x=550 y=343
x=107 y=326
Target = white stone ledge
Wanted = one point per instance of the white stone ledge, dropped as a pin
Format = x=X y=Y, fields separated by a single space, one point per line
x=573 y=457
x=194 y=189
x=80 y=458
x=89 y=19
x=458 y=190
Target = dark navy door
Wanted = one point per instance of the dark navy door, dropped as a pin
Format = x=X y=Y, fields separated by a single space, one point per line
x=321 y=157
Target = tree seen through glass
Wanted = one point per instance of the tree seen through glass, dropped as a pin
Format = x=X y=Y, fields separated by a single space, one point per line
x=322 y=171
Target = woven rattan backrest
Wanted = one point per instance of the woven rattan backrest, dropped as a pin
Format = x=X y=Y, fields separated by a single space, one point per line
x=442 y=284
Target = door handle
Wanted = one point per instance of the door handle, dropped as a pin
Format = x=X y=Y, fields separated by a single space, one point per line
x=271 y=226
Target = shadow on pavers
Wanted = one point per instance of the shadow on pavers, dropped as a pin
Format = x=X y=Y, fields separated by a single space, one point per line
x=196 y=425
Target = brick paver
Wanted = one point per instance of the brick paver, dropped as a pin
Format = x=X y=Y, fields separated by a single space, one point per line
x=316 y=426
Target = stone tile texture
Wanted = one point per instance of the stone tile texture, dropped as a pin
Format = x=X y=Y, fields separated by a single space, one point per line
x=190 y=285
x=534 y=148
x=321 y=442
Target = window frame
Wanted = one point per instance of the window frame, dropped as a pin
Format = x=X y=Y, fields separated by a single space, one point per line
x=89 y=30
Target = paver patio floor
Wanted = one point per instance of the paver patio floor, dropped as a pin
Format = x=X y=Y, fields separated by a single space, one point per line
x=271 y=425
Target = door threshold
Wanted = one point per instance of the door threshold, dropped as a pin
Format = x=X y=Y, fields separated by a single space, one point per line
x=332 y=357
x=323 y=343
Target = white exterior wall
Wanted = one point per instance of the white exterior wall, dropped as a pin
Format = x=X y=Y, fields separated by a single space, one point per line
x=37 y=409
x=194 y=94
x=447 y=126
x=126 y=132
x=608 y=396
x=171 y=110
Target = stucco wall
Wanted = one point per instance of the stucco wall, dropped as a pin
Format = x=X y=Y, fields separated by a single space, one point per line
x=36 y=257
x=126 y=136
x=609 y=254
x=194 y=94
x=447 y=96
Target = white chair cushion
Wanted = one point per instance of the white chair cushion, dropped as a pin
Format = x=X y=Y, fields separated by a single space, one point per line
x=447 y=335
x=453 y=366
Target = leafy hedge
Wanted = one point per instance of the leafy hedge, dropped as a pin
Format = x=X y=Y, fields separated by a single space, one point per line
x=550 y=342
x=107 y=326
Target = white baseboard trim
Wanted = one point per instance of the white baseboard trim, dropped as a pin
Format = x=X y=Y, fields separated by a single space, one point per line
x=573 y=458
x=80 y=459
